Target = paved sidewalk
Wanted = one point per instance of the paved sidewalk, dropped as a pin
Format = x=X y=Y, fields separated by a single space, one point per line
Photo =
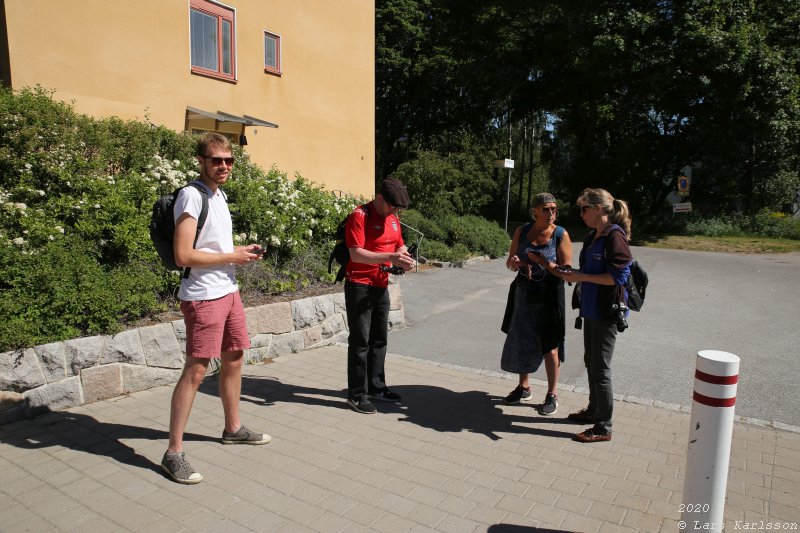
x=451 y=457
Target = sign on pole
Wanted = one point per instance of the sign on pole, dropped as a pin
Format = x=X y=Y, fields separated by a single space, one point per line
x=683 y=185
x=683 y=207
x=509 y=164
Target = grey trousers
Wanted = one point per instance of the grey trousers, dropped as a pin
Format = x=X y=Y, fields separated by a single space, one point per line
x=599 y=337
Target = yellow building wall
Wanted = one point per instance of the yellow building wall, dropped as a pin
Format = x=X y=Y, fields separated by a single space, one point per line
x=132 y=60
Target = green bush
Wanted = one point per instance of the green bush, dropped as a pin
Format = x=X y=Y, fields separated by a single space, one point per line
x=716 y=227
x=436 y=250
x=775 y=224
x=75 y=201
x=427 y=226
x=477 y=235
x=458 y=182
x=764 y=224
x=76 y=196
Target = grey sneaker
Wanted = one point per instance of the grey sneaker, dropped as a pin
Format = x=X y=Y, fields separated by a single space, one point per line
x=361 y=405
x=178 y=468
x=520 y=394
x=550 y=405
x=245 y=436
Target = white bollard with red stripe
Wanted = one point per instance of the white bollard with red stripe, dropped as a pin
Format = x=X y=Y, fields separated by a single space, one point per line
x=710 y=437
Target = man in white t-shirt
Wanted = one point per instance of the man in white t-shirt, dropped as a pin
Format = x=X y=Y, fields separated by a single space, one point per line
x=211 y=306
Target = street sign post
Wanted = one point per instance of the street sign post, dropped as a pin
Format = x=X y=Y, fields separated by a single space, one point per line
x=509 y=164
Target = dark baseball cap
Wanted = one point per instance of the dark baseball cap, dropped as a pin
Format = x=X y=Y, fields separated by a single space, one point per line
x=394 y=192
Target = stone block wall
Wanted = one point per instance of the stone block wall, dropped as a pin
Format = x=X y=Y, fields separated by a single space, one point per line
x=66 y=374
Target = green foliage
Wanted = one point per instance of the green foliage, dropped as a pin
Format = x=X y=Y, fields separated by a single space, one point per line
x=429 y=227
x=282 y=214
x=763 y=224
x=62 y=290
x=75 y=201
x=478 y=235
x=454 y=238
x=632 y=93
x=444 y=252
x=716 y=227
x=459 y=182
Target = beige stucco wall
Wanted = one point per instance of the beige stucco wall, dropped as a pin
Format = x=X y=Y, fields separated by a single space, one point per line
x=132 y=60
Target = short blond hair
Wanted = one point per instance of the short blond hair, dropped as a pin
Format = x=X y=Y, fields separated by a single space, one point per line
x=213 y=139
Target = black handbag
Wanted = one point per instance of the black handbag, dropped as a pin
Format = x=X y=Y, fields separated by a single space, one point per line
x=509 y=307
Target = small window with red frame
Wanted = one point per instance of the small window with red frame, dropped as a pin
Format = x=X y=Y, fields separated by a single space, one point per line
x=213 y=39
x=272 y=53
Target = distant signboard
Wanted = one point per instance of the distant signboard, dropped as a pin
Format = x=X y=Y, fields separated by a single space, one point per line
x=504 y=163
x=683 y=207
x=683 y=186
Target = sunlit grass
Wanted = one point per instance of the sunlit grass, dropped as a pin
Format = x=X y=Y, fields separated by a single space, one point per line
x=745 y=245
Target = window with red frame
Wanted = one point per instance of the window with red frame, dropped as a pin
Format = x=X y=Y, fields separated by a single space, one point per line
x=213 y=38
x=272 y=52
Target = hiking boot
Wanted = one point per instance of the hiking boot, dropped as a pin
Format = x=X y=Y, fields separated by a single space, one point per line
x=384 y=395
x=245 y=436
x=361 y=405
x=178 y=468
x=550 y=405
x=520 y=394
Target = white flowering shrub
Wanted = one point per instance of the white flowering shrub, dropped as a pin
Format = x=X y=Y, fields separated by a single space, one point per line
x=76 y=196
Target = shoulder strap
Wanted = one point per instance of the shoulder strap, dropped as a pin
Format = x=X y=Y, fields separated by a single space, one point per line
x=201 y=219
x=558 y=234
x=523 y=232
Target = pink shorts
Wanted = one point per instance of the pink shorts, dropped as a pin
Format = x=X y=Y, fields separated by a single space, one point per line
x=215 y=326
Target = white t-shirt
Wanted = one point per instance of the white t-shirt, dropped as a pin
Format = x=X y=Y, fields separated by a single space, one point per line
x=214 y=282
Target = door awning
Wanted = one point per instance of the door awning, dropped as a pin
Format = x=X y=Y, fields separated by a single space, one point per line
x=221 y=116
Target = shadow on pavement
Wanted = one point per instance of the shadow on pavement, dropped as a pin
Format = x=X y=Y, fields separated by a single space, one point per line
x=84 y=433
x=427 y=406
x=510 y=528
x=445 y=410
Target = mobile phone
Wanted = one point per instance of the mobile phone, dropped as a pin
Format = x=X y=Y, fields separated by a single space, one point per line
x=261 y=251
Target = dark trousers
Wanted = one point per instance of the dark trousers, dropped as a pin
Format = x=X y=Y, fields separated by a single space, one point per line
x=367 y=319
x=599 y=337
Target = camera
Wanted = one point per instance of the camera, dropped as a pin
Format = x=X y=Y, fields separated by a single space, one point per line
x=618 y=312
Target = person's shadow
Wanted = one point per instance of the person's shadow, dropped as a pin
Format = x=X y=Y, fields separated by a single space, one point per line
x=511 y=528
x=427 y=406
x=84 y=433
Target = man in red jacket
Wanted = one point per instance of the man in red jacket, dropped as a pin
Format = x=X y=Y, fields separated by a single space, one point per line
x=373 y=236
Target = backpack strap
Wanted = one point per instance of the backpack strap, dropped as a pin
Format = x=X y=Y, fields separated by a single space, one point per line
x=201 y=220
x=558 y=234
x=622 y=290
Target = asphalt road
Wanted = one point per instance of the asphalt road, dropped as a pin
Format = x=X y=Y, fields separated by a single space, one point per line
x=748 y=305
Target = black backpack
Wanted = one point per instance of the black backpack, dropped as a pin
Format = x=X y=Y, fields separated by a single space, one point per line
x=340 y=252
x=636 y=286
x=162 y=225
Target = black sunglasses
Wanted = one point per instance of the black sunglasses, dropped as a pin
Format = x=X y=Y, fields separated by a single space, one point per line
x=549 y=209
x=585 y=207
x=217 y=161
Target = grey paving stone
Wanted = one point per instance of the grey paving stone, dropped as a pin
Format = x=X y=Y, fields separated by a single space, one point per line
x=330 y=469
